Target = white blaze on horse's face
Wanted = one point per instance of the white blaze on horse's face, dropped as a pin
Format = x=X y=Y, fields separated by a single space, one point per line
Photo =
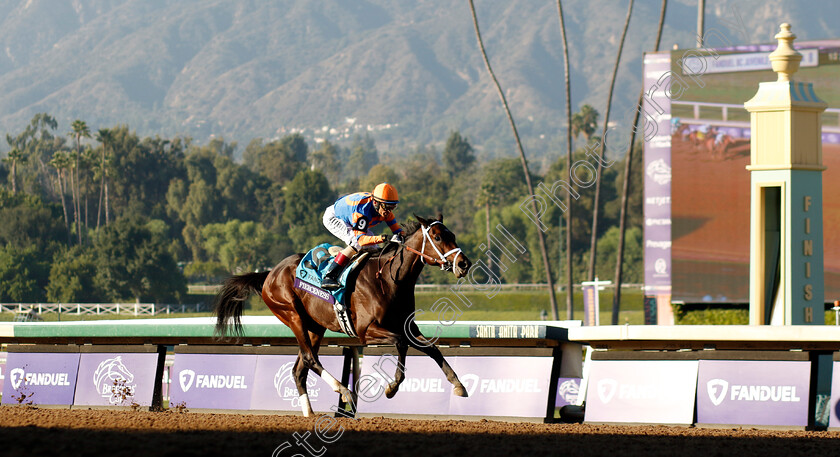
x=443 y=243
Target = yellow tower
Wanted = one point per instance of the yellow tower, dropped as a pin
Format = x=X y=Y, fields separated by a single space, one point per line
x=786 y=254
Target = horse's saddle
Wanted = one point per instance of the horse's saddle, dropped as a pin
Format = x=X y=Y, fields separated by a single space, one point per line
x=310 y=271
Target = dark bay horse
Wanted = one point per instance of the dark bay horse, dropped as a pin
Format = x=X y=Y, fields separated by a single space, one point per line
x=381 y=305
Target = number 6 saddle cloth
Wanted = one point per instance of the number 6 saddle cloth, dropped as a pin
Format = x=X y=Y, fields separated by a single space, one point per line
x=310 y=271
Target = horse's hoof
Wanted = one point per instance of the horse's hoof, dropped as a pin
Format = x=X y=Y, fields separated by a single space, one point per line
x=391 y=390
x=460 y=391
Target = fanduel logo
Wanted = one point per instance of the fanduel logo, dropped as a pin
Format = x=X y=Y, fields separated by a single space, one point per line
x=763 y=393
x=495 y=385
x=19 y=377
x=610 y=388
x=188 y=379
x=716 y=388
x=606 y=389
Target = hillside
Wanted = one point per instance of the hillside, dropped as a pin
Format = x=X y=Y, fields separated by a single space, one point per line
x=408 y=72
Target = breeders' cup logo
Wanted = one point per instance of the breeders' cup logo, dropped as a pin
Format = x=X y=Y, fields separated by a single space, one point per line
x=660 y=266
x=186 y=378
x=568 y=391
x=659 y=171
x=113 y=380
x=716 y=388
x=606 y=389
x=284 y=383
x=17 y=375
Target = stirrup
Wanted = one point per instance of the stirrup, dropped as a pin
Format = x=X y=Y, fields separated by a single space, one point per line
x=330 y=284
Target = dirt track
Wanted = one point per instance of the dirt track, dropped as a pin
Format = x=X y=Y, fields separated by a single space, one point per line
x=27 y=432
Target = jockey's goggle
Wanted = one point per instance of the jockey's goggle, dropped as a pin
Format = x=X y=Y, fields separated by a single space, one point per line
x=388 y=206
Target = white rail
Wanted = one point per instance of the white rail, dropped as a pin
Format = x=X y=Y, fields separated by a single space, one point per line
x=133 y=309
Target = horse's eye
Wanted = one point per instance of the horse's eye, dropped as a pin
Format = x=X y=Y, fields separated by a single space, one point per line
x=437 y=238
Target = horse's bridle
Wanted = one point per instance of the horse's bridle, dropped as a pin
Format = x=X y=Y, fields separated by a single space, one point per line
x=445 y=264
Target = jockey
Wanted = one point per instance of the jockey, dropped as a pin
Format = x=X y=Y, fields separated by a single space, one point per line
x=351 y=218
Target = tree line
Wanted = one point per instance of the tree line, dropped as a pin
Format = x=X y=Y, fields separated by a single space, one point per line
x=108 y=216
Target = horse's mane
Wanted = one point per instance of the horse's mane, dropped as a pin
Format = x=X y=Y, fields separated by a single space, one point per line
x=409 y=227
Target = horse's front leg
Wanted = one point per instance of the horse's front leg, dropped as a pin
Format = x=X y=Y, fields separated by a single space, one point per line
x=399 y=376
x=419 y=342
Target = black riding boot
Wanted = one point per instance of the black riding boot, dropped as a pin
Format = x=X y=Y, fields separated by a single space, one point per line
x=330 y=280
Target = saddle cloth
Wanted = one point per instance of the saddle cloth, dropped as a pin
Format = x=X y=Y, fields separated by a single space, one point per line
x=309 y=273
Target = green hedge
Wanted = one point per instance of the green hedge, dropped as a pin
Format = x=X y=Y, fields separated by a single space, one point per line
x=710 y=315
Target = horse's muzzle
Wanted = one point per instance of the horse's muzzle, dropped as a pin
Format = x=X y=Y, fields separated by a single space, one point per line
x=461 y=267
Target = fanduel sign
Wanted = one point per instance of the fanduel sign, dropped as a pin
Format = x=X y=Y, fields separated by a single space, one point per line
x=213 y=381
x=748 y=392
x=642 y=391
x=497 y=386
x=40 y=378
x=210 y=381
x=19 y=378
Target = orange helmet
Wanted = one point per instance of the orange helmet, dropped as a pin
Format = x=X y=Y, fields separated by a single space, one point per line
x=386 y=193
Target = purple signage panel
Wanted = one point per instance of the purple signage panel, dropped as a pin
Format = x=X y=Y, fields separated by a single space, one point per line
x=834 y=401
x=275 y=388
x=40 y=378
x=502 y=386
x=567 y=392
x=213 y=381
x=655 y=126
x=642 y=391
x=112 y=379
x=497 y=386
x=425 y=389
x=753 y=392
x=2 y=371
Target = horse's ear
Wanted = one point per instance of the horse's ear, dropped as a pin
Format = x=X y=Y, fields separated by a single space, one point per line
x=440 y=217
x=422 y=221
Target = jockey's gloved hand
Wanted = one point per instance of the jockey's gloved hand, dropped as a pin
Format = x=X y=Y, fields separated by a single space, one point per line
x=382 y=239
x=398 y=238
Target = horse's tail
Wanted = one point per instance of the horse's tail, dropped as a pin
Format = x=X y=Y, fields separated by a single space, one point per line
x=229 y=301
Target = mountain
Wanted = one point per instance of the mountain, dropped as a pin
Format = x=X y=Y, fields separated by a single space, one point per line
x=406 y=72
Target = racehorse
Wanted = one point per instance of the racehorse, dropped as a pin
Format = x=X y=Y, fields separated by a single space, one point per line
x=381 y=305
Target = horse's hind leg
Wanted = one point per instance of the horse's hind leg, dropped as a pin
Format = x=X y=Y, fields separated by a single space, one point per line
x=419 y=342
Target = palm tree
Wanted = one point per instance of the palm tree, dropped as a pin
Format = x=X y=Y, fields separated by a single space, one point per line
x=79 y=130
x=522 y=159
x=619 y=258
x=596 y=199
x=104 y=136
x=570 y=296
x=15 y=157
x=585 y=121
x=61 y=161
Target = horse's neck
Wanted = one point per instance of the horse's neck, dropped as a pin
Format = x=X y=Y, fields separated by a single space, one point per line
x=412 y=264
